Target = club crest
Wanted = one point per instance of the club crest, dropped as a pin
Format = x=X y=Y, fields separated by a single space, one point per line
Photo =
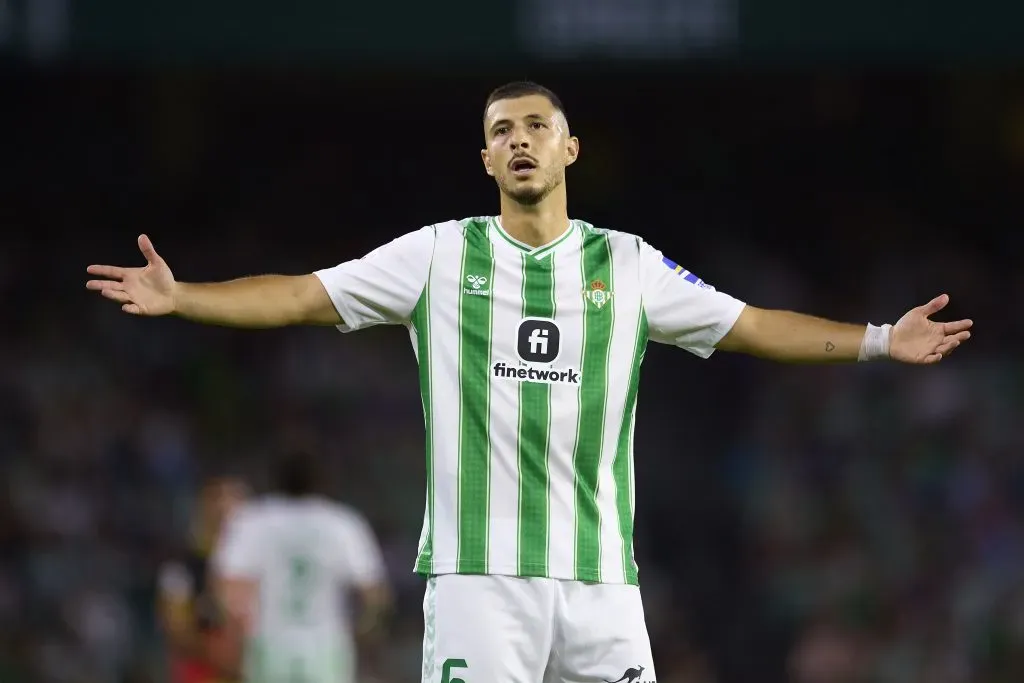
x=598 y=294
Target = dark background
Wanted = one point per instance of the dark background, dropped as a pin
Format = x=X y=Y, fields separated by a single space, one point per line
x=806 y=524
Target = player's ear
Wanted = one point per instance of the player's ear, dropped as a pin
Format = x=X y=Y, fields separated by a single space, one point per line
x=487 y=162
x=572 y=150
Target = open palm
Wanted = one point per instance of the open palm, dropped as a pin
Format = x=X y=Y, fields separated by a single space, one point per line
x=917 y=339
x=148 y=290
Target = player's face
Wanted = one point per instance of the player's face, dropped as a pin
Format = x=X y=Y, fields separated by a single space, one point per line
x=528 y=147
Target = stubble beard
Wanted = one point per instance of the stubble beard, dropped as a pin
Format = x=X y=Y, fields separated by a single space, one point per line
x=530 y=195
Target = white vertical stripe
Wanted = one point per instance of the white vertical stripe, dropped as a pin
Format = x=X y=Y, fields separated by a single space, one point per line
x=565 y=407
x=503 y=521
x=445 y=290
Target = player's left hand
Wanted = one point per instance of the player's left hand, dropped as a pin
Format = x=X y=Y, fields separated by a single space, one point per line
x=916 y=339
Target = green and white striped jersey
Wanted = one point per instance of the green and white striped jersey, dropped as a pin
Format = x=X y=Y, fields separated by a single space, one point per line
x=529 y=362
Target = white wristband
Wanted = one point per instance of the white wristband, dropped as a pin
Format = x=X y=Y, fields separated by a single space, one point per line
x=875 y=345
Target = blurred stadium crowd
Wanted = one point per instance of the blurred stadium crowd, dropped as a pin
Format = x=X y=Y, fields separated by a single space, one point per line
x=815 y=525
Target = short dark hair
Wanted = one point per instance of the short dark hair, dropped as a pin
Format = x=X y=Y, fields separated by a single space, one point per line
x=516 y=89
x=296 y=474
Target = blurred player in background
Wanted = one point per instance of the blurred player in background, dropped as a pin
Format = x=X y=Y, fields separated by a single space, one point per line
x=191 y=621
x=287 y=570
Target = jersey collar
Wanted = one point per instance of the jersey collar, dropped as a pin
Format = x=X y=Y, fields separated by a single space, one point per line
x=538 y=253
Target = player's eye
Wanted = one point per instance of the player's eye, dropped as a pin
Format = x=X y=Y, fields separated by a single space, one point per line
x=536 y=125
x=501 y=130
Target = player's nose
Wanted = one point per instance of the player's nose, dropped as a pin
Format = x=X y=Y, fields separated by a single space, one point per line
x=519 y=139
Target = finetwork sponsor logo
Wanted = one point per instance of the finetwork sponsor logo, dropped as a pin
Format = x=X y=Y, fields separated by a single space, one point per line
x=538 y=345
x=476 y=286
x=538 y=340
x=526 y=373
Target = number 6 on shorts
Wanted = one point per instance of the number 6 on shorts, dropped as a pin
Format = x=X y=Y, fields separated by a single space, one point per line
x=446 y=670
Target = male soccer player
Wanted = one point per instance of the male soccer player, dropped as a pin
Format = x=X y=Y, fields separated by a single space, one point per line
x=188 y=611
x=285 y=569
x=529 y=330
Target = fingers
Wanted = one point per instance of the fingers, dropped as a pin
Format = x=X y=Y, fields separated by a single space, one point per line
x=935 y=305
x=950 y=344
x=114 y=291
x=118 y=295
x=147 y=249
x=957 y=326
x=112 y=272
x=100 y=285
x=961 y=336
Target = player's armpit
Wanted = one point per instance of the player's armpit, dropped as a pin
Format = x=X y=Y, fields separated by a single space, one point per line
x=790 y=337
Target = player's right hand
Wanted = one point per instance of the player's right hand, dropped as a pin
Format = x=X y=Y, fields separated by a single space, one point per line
x=140 y=291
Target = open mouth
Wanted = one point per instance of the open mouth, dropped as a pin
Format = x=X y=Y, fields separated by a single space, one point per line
x=523 y=166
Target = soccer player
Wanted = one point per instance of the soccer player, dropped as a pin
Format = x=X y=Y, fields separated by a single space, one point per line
x=529 y=328
x=285 y=569
x=188 y=611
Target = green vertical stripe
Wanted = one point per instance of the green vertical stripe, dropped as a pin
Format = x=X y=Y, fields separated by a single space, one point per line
x=535 y=430
x=421 y=322
x=475 y=321
x=597 y=334
x=623 y=451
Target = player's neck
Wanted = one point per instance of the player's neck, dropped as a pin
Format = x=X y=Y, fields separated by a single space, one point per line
x=535 y=225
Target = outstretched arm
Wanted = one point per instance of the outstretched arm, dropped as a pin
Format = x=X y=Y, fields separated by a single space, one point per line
x=383 y=287
x=256 y=302
x=262 y=301
x=797 y=338
x=684 y=311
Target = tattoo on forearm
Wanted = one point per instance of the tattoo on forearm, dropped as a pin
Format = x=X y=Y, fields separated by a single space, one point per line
x=829 y=347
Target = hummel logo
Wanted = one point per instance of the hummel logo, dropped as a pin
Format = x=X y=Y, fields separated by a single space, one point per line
x=476 y=284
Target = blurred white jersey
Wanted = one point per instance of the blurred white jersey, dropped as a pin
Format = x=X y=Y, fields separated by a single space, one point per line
x=306 y=554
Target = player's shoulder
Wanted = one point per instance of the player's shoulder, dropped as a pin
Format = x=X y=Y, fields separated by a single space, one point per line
x=455 y=229
x=617 y=239
x=465 y=226
x=458 y=225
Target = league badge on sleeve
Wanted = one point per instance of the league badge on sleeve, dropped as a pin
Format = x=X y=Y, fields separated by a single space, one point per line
x=684 y=273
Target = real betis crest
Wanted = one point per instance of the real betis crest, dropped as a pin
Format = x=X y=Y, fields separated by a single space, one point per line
x=598 y=294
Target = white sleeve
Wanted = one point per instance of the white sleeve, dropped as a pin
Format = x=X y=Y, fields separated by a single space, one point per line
x=383 y=286
x=682 y=310
x=362 y=552
x=237 y=552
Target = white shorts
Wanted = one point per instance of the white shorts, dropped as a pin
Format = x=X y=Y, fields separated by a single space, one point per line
x=501 y=629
